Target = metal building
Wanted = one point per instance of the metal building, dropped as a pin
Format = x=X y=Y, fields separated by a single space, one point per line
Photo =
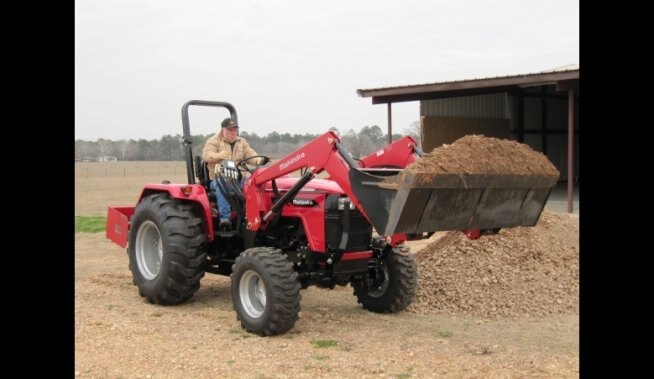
x=540 y=109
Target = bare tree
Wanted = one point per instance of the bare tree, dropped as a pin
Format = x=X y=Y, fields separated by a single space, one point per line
x=123 y=147
x=106 y=147
x=414 y=131
x=353 y=143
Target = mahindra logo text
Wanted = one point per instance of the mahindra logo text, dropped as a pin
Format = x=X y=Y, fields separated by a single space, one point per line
x=291 y=161
x=304 y=202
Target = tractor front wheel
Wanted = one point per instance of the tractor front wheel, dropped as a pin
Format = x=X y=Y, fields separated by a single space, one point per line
x=265 y=291
x=166 y=254
x=391 y=285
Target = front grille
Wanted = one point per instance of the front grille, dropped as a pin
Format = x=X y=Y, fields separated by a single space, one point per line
x=360 y=231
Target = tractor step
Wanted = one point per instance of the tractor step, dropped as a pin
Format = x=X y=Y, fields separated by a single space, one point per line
x=224 y=267
x=226 y=234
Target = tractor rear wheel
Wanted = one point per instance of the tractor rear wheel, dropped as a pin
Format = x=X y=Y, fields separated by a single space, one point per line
x=166 y=254
x=391 y=285
x=265 y=291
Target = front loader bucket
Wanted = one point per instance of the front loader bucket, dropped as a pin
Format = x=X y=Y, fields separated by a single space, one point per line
x=403 y=201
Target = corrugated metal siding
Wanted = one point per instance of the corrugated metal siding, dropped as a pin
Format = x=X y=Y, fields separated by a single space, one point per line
x=512 y=112
x=492 y=106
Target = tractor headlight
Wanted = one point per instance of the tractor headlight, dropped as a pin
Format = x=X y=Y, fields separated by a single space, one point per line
x=341 y=203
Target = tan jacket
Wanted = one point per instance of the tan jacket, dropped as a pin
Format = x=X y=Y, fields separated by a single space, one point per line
x=217 y=148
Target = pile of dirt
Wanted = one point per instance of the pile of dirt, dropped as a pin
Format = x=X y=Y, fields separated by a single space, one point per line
x=477 y=154
x=531 y=271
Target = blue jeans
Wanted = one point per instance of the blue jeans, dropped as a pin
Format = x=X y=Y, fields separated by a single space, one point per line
x=224 y=209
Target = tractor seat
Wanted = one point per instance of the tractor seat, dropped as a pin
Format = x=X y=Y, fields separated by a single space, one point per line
x=202 y=173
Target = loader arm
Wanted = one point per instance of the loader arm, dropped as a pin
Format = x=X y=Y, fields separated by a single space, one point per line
x=399 y=154
x=321 y=154
x=398 y=201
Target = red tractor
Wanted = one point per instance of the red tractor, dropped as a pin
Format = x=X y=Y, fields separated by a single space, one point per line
x=289 y=233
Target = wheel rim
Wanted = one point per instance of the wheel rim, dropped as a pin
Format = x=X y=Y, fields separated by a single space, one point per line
x=252 y=292
x=149 y=250
x=377 y=287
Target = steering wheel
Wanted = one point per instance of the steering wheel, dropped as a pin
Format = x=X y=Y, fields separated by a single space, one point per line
x=243 y=165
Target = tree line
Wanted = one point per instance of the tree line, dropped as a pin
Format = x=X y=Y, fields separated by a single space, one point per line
x=169 y=147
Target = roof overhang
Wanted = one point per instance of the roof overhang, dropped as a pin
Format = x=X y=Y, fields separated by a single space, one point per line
x=511 y=84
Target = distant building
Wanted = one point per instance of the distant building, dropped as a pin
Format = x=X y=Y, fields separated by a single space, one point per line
x=107 y=159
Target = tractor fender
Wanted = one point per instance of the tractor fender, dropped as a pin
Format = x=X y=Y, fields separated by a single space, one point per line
x=187 y=192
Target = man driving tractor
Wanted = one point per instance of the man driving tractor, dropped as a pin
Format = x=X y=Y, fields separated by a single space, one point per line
x=225 y=144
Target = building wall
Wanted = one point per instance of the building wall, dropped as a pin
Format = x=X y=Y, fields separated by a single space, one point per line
x=446 y=120
x=493 y=106
x=544 y=123
x=436 y=131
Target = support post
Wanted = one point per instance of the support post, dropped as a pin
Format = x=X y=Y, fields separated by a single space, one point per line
x=571 y=127
x=390 y=124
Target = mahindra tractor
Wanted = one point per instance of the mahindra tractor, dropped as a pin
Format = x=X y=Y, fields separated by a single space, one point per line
x=290 y=229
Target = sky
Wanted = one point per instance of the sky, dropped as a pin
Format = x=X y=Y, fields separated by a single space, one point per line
x=294 y=66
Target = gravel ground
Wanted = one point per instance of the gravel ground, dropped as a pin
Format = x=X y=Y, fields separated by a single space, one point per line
x=530 y=271
x=451 y=330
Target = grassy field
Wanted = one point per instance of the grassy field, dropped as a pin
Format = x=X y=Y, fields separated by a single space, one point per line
x=129 y=169
x=102 y=184
x=92 y=224
x=99 y=185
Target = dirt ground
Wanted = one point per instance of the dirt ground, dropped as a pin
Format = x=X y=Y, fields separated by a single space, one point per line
x=117 y=334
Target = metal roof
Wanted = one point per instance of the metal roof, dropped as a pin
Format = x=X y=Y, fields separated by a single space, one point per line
x=470 y=87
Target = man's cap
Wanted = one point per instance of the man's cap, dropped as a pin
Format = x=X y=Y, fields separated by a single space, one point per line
x=228 y=123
